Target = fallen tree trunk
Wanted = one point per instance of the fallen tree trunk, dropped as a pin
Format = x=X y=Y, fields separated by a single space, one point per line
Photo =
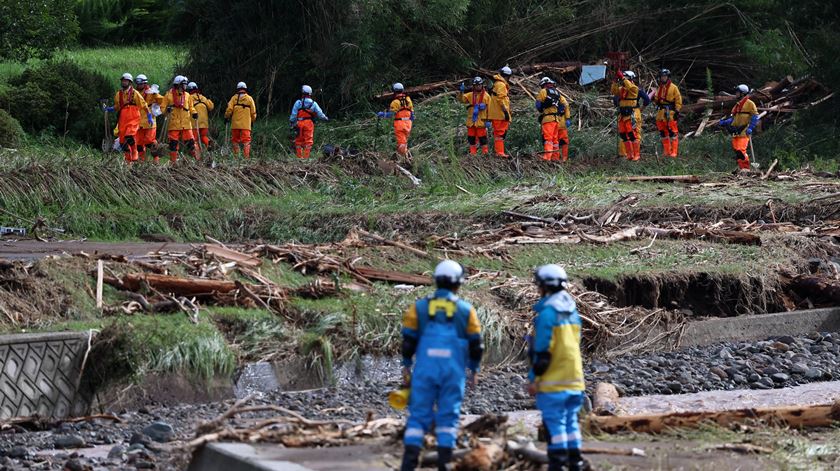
x=176 y=285
x=817 y=288
x=605 y=400
x=659 y=179
x=392 y=276
x=732 y=237
x=790 y=416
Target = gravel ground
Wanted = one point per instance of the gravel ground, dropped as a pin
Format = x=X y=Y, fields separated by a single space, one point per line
x=775 y=363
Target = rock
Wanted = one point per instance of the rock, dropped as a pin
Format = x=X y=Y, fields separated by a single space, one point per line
x=766 y=381
x=117 y=452
x=780 y=346
x=160 y=432
x=143 y=464
x=137 y=437
x=676 y=388
x=739 y=379
x=17 y=452
x=814 y=374
x=754 y=377
x=74 y=465
x=786 y=339
x=779 y=377
x=799 y=368
x=719 y=372
x=68 y=441
x=770 y=371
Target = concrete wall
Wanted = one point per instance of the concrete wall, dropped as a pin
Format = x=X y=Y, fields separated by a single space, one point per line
x=39 y=374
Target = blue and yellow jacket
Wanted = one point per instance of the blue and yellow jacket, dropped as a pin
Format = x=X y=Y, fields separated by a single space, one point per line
x=556 y=361
x=445 y=307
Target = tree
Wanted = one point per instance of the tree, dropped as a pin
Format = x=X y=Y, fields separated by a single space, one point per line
x=36 y=29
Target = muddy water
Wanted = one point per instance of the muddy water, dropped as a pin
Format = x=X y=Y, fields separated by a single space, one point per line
x=708 y=401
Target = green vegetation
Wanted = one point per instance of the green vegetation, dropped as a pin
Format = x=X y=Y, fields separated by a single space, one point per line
x=36 y=29
x=11 y=133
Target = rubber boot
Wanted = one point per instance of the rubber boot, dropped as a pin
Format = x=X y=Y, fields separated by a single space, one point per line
x=675 y=147
x=499 y=147
x=444 y=458
x=637 y=150
x=564 y=150
x=246 y=150
x=411 y=457
x=557 y=460
x=628 y=150
x=576 y=462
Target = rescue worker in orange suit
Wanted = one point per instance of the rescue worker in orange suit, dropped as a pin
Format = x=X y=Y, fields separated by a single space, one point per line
x=629 y=114
x=643 y=101
x=182 y=115
x=203 y=106
x=556 y=375
x=302 y=121
x=402 y=110
x=130 y=108
x=442 y=341
x=741 y=124
x=147 y=135
x=668 y=103
x=499 y=110
x=477 y=101
x=555 y=119
x=242 y=112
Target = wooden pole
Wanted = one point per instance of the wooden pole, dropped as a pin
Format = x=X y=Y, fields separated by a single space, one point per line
x=100 y=275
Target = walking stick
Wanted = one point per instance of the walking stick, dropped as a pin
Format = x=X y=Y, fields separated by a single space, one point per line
x=752 y=154
x=107 y=141
x=197 y=141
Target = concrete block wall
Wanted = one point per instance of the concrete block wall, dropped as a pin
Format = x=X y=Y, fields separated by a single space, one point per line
x=39 y=374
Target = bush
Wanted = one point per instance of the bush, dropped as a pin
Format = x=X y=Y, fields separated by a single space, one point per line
x=60 y=97
x=10 y=131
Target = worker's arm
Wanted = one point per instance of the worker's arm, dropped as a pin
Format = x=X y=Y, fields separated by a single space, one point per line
x=253 y=109
x=117 y=102
x=540 y=353
x=538 y=104
x=630 y=87
x=645 y=97
x=319 y=112
x=568 y=112
x=464 y=97
x=410 y=335
x=476 y=342
x=140 y=102
x=677 y=98
x=209 y=104
x=191 y=107
x=295 y=109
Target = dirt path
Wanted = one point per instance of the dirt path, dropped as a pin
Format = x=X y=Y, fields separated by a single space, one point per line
x=30 y=249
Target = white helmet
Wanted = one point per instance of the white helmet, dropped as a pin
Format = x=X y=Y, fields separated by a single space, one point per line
x=179 y=79
x=127 y=76
x=192 y=86
x=506 y=70
x=449 y=273
x=545 y=81
x=630 y=74
x=241 y=86
x=141 y=79
x=743 y=89
x=477 y=81
x=306 y=90
x=551 y=276
x=398 y=87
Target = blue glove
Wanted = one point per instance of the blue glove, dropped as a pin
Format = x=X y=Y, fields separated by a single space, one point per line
x=487 y=124
x=412 y=116
x=725 y=122
x=150 y=119
x=749 y=130
x=109 y=109
x=568 y=123
x=482 y=106
x=381 y=114
x=462 y=87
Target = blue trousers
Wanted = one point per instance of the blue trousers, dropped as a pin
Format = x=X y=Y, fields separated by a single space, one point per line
x=560 y=416
x=435 y=399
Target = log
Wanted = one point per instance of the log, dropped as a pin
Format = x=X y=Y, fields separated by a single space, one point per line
x=605 y=400
x=659 y=178
x=711 y=235
x=392 y=276
x=230 y=255
x=100 y=276
x=817 y=288
x=791 y=416
x=176 y=285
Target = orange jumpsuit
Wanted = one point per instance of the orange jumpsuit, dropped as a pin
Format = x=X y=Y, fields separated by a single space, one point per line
x=242 y=112
x=742 y=115
x=669 y=102
x=147 y=136
x=203 y=106
x=181 y=123
x=553 y=121
x=499 y=113
x=628 y=103
x=131 y=108
x=403 y=110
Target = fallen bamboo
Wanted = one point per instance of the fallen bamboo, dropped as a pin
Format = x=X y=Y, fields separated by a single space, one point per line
x=392 y=276
x=791 y=416
x=230 y=255
x=177 y=285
